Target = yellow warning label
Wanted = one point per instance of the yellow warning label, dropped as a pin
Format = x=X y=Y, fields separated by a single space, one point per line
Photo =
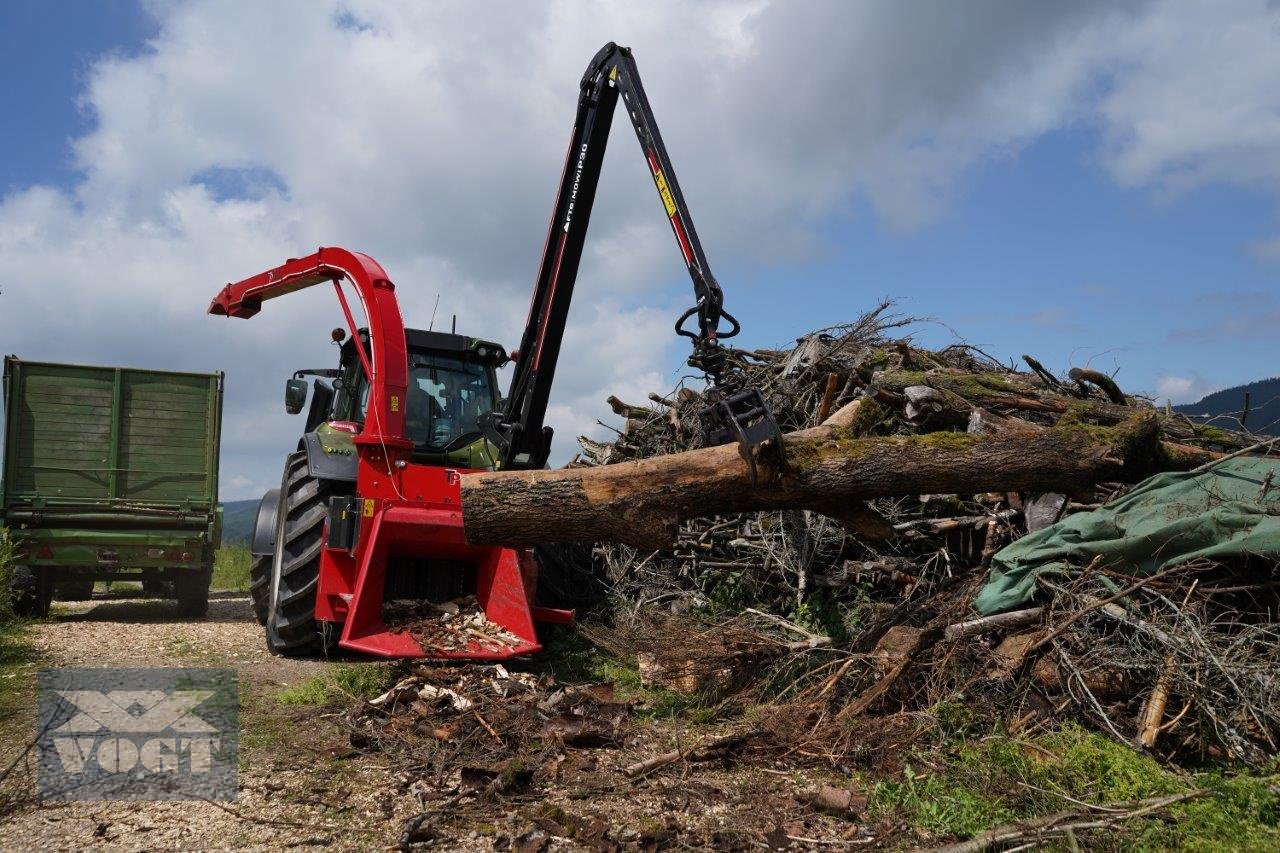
x=368 y=508
x=663 y=190
x=395 y=403
x=613 y=73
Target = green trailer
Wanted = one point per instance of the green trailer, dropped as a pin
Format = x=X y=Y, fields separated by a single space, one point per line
x=110 y=473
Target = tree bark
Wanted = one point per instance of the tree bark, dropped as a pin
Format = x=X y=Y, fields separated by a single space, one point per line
x=828 y=470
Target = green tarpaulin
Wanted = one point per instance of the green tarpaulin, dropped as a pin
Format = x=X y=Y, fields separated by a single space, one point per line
x=1167 y=519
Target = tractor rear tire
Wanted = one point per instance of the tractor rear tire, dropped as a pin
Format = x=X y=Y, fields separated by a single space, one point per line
x=292 y=628
x=31 y=591
x=191 y=588
x=79 y=589
x=260 y=585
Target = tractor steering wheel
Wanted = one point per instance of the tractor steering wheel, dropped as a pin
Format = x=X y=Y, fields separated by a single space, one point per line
x=462 y=441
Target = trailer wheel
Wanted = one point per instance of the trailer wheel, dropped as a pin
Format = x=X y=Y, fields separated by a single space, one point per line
x=31 y=591
x=156 y=588
x=292 y=629
x=260 y=585
x=80 y=589
x=191 y=588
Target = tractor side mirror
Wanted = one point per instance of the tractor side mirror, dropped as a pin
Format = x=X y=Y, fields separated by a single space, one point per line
x=295 y=395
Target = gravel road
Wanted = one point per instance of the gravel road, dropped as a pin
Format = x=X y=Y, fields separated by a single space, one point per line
x=298 y=785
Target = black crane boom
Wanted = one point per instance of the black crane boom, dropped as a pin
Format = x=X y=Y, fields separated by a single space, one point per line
x=524 y=440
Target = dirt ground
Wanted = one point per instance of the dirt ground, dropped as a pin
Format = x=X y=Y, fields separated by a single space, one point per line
x=302 y=784
x=298 y=783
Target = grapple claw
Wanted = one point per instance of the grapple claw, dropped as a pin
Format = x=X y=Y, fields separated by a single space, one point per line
x=743 y=417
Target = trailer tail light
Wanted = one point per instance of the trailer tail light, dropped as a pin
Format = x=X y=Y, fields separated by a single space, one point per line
x=187 y=556
x=45 y=553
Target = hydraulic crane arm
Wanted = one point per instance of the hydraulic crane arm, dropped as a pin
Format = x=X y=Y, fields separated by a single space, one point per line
x=524 y=440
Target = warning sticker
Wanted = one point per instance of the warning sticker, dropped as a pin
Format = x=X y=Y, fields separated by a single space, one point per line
x=663 y=190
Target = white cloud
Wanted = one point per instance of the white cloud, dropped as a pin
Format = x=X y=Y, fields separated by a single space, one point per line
x=431 y=136
x=1195 y=99
x=1182 y=389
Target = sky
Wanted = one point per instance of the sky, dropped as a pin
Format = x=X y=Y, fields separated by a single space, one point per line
x=1091 y=183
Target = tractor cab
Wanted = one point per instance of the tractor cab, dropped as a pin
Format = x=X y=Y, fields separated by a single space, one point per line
x=452 y=385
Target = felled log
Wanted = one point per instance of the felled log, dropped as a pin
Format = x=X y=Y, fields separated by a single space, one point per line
x=826 y=469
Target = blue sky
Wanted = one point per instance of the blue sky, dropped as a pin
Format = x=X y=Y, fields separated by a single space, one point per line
x=46 y=50
x=1091 y=184
x=1043 y=253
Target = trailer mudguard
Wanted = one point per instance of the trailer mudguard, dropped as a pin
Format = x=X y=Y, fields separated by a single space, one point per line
x=263 y=541
x=330 y=463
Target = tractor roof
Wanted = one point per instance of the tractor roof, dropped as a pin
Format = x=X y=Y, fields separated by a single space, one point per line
x=445 y=342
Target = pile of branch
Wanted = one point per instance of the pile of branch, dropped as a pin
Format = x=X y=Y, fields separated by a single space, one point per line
x=1183 y=661
x=901 y=466
x=905 y=470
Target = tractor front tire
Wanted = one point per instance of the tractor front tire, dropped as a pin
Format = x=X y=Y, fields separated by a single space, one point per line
x=292 y=628
x=31 y=591
x=260 y=585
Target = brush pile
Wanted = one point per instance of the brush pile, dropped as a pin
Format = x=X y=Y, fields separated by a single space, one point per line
x=1185 y=662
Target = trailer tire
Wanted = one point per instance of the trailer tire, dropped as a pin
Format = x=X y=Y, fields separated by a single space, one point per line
x=260 y=585
x=31 y=592
x=292 y=629
x=157 y=588
x=79 y=589
x=191 y=588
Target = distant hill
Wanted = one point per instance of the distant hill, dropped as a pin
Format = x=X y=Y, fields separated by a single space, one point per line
x=1225 y=407
x=237 y=521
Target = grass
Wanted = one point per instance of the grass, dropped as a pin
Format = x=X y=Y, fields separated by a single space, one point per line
x=571 y=658
x=17 y=700
x=17 y=660
x=16 y=654
x=7 y=553
x=936 y=803
x=16 y=657
x=231 y=569
x=340 y=684
x=986 y=781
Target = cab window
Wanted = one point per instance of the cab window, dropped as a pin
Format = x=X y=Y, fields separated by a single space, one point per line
x=446 y=398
